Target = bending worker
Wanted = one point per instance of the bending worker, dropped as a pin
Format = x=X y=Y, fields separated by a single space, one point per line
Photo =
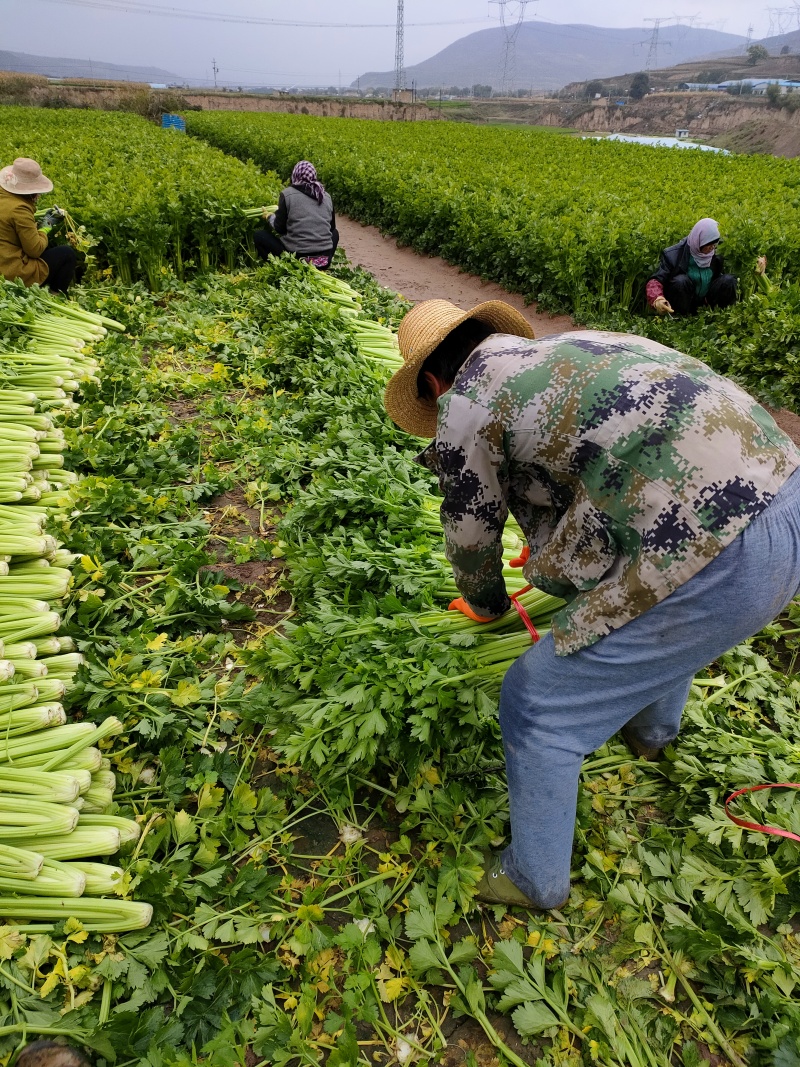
x=305 y=222
x=657 y=498
x=24 y=250
x=690 y=274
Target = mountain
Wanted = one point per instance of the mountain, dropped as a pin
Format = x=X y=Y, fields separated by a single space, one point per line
x=773 y=45
x=22 y=63
x=547 y=56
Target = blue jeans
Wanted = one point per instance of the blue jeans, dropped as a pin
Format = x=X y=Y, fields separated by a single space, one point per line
x=556 y=709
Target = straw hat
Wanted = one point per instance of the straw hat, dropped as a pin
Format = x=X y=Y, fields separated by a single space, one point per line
x=24 y=177
x=423 y=328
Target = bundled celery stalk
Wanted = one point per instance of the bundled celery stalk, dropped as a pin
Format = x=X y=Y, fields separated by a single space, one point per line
x=55 y=792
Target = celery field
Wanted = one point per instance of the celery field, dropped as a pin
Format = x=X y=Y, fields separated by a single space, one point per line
x=282 y=759
x=575 y=224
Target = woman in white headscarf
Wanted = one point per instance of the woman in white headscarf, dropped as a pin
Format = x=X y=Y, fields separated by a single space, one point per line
x=691 y=274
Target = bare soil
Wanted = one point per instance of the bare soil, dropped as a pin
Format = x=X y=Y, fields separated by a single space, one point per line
x=787 y=421
x=231 y=518
x=419 y=277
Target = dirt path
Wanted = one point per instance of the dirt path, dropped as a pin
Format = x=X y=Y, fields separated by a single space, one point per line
x=420 y=277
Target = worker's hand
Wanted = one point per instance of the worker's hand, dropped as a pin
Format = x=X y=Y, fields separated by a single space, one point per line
x=459 y=604
x=51 y=220
x=761 y=265
x=521 y=559
x=662 y=306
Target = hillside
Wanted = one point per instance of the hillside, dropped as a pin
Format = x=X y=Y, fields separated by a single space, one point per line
x=774 y=44
x=713 y=68
x=548 y=55
x=55 y=67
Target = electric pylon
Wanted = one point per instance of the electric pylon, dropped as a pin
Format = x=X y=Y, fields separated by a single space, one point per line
x=511 y=24
x=399 y=50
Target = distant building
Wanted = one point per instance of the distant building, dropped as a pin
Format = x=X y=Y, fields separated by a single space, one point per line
x=756 y=87
x=760 y=87
x=681 y=134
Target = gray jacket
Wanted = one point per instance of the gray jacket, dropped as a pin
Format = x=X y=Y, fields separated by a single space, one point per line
x=304 y=225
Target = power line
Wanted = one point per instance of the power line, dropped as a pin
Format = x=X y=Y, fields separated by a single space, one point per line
x=134 y=7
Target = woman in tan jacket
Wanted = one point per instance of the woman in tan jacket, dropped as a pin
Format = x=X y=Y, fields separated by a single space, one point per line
x=24 y=251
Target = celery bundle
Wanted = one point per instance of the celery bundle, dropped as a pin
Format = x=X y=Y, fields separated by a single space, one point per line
x=55 y=786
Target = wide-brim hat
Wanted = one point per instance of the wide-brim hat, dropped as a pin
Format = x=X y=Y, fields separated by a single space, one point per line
x=423 y=329
x=24 y=177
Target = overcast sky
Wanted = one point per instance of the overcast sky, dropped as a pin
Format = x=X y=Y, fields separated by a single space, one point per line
x=249 y=54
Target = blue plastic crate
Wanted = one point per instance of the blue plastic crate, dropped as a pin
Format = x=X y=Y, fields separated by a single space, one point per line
x=173 y=122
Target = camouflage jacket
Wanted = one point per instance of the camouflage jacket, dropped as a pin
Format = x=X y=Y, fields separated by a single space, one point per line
x=628 y=466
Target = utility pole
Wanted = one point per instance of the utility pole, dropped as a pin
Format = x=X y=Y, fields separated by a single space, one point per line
x=215 y=68
x=399 y=49
x=511 y=27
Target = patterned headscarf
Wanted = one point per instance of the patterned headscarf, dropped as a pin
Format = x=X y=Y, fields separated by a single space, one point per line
x=304 y=177
x=702 y=233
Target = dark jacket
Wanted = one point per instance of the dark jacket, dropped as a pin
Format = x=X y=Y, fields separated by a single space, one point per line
x=21 y=243
x=306 y=227
x=675 y=260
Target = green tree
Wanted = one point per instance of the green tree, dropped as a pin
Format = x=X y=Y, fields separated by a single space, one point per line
x=774 y=94
x=640 y=85
x=755 y=53
x=593 y=88
x=482 y=91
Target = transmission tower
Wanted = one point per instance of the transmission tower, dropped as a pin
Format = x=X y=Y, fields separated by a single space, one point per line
x=511 y=21
x=780 y=19
x=652 y=55
x=399 y=50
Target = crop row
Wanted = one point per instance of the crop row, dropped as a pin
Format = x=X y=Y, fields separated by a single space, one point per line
x=152 y=199
x=576 y=223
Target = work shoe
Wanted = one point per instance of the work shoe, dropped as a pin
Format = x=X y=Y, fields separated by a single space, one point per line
x=637 y=748
x=495 y=887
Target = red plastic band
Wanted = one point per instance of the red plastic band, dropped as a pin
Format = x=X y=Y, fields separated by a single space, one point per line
x=526 y=619
x=775 y=830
